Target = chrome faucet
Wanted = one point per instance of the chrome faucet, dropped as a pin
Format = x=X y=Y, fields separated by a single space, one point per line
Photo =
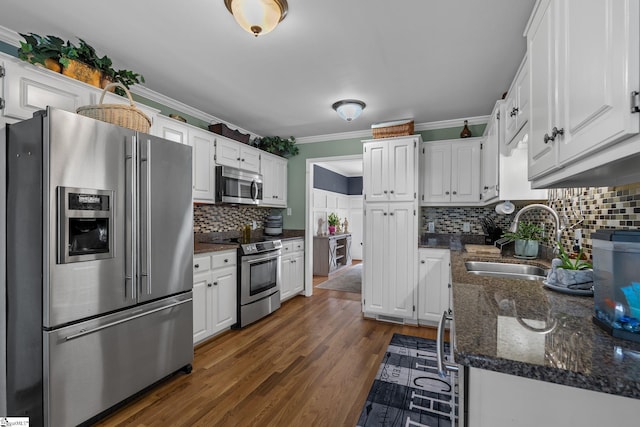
x=514 y=225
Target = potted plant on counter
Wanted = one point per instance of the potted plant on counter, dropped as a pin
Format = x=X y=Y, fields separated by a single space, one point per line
x=333 y=221
x=526 y=238
x=570 y=272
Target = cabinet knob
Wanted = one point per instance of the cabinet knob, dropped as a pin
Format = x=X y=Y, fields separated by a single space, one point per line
x=391 y=191
x=455 y=192
x=226 y=260
x=215 y=283
x=385 y=191
x=486 y=188
x=209 y=284
x=243 y=160
x=238 y=159
x=514 y=112
x=197 y=266
x=385 y=214
x=554 y=132
x=422 y=262
x=391 y=213
x=446 y=192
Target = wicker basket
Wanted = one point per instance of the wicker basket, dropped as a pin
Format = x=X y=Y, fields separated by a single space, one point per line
x=391 y=129
x=127 y=116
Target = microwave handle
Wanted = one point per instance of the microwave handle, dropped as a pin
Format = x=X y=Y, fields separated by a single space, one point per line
x=254 y=190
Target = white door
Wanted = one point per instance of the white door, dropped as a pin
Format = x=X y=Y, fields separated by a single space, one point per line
x=465 y=171
x=297 y=272
x=541 y=50
x=227 y=152
x=600 y=70
x=269 y=180
x=375 y=263
x=286 y=287
x=433 y=283
x=280 y=176
x=224 y=298
x=375 y=172
x=170 y=129
x=437 y=173
x=401 y=260
x=201 y=306
x=249 y=158
x=355 y=226
x=203 y=177
x=402 y=168
x=490 y=154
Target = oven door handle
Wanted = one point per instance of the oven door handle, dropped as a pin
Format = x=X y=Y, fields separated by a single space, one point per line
x=443 y=366
x=268 y=258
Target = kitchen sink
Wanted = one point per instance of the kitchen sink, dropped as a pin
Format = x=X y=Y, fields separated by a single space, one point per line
x=505 y=270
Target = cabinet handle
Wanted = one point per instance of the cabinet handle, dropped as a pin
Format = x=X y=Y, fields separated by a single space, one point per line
x=226 y=260
x=391 y=191
x=554 y=132
x=385 y=191
x=385 y=214
x=446 y=192
x=455 y=192
x=243 y=160
x=215 y=283
x=514 y=112
x=238 y=159
x=422 y=262
x=196 y=266
x=209 y=284
x=391 y=213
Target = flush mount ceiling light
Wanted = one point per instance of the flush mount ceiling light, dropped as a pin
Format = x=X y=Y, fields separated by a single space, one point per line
x=258 y=17
x=349 y=109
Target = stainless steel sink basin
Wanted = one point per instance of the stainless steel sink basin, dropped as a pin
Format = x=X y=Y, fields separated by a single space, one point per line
x=508 y=271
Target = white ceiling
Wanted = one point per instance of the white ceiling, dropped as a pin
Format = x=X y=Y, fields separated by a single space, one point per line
x=343 y=167
x=420 y=59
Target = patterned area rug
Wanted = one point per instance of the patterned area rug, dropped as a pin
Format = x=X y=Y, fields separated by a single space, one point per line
x=407 y=390
x=349 y=281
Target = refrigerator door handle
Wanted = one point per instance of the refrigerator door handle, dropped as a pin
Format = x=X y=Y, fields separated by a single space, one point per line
x=128 y=319
x=145 y=217
x=131 y=224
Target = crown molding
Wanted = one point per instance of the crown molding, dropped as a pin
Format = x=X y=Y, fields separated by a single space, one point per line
x=443 y=124
x=9 y=36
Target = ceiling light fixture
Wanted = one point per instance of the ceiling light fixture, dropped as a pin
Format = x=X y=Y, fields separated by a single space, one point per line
x=349 y=109
x=258 y=17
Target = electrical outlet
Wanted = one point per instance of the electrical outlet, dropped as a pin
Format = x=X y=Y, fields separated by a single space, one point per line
x=431 y=227
x=577 y=239
x=288 y=211
x=466 y=227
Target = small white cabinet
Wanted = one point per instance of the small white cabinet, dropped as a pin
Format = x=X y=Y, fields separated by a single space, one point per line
x=390 y=259
x=274 y=180
x=389 y=166
x=584 y=65
x=214 y=293
x=292 y=275
x=235 y=154
x=450 y=172
x=516 y=112
x=434 y=284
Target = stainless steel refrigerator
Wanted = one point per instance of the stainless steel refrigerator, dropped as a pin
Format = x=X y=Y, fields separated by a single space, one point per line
x=99 y=265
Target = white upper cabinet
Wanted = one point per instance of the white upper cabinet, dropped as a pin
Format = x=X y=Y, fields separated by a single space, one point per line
x=274 y=180
x=170 y=129
x=451 y=172
x=516 y=113
x=490 y=155
x=390 y=166
x=584 y=63
x=237 y=155
x=203 y=172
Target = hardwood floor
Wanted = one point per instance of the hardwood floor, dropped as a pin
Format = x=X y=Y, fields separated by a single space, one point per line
x=310 y=363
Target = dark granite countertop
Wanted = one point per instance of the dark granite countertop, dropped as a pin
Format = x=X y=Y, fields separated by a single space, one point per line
x=209 y=242
x=521 y=328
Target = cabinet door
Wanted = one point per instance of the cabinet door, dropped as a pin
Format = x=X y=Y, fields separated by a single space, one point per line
x=402 y=170
x=170 y=129
x=333 y=254
x=297 y=272
x=517 y=103
x=201 y=305
x=375 y=172
x=286 y=287
x=542 y=65
x=465 y=171
x=433 y=283
x=249 y=158
x=268 y=171
x=600 y=70
x=490 y=150
x=227 y=152
x=28 y=89
x=437 y=172
x=374 y=284
x=203 y=176
x=510 y=115
x=224 y=298
x=401 y=260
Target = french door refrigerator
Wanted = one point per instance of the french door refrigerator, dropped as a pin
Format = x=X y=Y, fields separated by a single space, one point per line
x=99 y=265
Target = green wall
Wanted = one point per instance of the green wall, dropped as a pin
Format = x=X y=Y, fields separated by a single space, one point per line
x=297 y=179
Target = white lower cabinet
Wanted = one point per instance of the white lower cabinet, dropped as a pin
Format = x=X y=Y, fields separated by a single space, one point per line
x=502 y=400
x=434 y=284
x=214 y=293
x=292 y=271
x=390 y=260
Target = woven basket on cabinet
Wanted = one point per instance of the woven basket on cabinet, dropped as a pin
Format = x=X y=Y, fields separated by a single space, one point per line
x=127 y=116
x=391 y=129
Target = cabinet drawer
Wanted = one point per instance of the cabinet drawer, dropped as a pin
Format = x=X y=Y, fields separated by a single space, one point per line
x=298 y=245
x=223 y=259
x=287 y=247
x=201 y=263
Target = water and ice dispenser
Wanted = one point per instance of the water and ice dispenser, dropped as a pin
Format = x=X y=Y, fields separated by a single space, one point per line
x=616 y=277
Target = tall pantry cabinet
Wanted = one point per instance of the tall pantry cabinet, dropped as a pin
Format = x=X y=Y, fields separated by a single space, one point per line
x=390 y=186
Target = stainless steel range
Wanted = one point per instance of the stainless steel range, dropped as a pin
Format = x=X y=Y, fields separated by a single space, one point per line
x=258 y=280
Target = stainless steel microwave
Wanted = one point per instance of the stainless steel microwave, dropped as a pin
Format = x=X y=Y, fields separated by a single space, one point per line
x=238 y=186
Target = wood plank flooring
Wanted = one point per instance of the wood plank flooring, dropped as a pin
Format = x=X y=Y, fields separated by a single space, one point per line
x=311 y=363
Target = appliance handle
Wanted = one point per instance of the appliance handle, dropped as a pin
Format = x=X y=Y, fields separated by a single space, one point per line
x=131 y=214
x=145 y=227
x=443 y=366
x=118 y=322
x=267 y=258
x=254 y=190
